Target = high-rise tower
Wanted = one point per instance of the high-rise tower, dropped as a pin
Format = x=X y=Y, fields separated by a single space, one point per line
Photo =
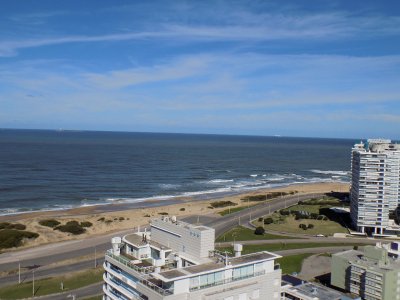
x=375 y=185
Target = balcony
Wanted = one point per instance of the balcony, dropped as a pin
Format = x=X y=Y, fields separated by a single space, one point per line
x=228 y=280
x=143 y=271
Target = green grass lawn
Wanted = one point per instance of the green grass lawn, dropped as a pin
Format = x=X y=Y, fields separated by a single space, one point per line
x=309 y=208
x=290 y=225
x=241 y=233
x=98 y=297
x=232 y=210
x=283 y=246
x=292 y=263
x=52 y=285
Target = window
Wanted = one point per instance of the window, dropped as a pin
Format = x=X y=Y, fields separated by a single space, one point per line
x=243 y=271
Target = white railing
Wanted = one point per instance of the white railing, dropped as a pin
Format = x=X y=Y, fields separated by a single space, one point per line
x=228 y=280
x=126 y=262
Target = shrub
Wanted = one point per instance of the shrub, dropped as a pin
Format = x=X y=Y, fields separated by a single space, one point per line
x=72 y=223
x=146 y=216
x=108 y=222
x=13 y=238
x=255 y=198
x=259 y=230
x=71 y=227
x=268 y=221
x=210 y=207
x=182 y=209
x=86 y=224
x=121 y=219
x=310 y=226
x=355 y=247
x=49 y=223
x=17 y=226
x=102 y=219
x=260 y=219
x=303 y=226
x=222 y=204
x=163 y=213
x=284 y=212
x=4 y=225
x=314 y=216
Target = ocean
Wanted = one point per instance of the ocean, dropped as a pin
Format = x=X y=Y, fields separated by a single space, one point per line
x=51 y=170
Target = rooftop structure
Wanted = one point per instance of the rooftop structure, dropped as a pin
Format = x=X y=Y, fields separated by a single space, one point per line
x=176 y=259
x=295 y=288
x=372 y=274
x=375 y=186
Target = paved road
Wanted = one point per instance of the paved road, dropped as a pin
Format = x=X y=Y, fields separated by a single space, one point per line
x=47 y=254
x=94 y=289
x=225 y=223
x=43 y=272
x=309 y=240
x=53 y=253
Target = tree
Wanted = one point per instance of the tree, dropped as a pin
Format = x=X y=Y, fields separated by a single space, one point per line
x=268 y=221
x=259 y=231
x=310 y=226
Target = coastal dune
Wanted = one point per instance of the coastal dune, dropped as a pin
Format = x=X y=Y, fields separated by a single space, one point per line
x=115 y=217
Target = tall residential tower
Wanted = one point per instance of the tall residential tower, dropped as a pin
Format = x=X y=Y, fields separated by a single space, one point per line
x=375 y=186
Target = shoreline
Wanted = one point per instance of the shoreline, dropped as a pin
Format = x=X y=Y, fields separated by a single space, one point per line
x=127 y=216
x=156 y=201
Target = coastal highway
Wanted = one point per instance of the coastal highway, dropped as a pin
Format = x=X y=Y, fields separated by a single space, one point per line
x=54 y=253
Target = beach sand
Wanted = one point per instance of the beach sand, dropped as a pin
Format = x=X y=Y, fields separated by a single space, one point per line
x=122 y=217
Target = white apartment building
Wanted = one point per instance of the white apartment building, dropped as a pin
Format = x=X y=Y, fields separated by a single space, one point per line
x=375 y=186
x=177 y=261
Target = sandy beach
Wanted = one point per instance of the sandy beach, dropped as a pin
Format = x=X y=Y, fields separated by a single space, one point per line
x=122 y=216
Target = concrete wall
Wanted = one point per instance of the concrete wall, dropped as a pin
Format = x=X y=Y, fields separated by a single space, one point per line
x=339 y=272
x=184 y=239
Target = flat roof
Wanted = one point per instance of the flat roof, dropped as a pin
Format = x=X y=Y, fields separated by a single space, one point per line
x=137 y=240
x=252 y=258
x=318 y=291
x=216 y=264
x=358 y=258
x=173 y=274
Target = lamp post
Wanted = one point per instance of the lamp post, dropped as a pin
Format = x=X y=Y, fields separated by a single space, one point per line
x=33 y=283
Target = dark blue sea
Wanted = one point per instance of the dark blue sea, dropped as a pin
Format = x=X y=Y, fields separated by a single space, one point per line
x=50 y=170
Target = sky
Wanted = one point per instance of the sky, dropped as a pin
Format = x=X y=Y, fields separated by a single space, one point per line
x=292 y=68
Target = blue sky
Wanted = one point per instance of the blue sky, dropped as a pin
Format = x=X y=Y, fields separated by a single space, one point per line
x=292 y=68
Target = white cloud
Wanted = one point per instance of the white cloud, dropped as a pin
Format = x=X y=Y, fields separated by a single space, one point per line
x=234 y=26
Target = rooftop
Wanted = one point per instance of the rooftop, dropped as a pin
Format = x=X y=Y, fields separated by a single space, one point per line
x=137 y=240
x=173 y=220
x=358 y=258
x=216 y=263
x=295 y=286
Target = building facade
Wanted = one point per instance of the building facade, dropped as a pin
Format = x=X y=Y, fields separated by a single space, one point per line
x=177 y=261
x=371 y=274
x=375 y=186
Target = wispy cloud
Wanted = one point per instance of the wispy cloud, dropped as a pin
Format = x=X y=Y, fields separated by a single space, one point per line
x=249 y=27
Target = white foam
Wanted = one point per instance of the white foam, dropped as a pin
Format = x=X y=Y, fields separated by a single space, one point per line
x=169 y=186
x=253 y=175
x=220 y=180
x=330 y=172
